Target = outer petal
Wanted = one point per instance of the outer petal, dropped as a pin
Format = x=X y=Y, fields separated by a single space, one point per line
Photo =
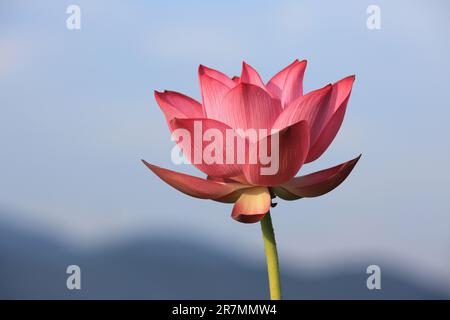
x=248 y=106
x=251 y=76
x=338 y=105
x=312 y=107
x=293 y=148
x=194 y=186
x=177 y=105
x=195 y=145
x=252 y=205
x=287 y=85
x=317 y=183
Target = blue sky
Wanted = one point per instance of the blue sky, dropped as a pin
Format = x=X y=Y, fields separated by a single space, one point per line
x=78 y=114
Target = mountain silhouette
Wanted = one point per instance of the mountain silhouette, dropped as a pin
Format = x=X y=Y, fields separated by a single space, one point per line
x=33 y=266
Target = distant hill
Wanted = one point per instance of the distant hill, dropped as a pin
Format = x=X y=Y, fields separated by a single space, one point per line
x=33 y=267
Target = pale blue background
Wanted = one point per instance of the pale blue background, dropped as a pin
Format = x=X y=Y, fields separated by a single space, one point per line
x=77 y=115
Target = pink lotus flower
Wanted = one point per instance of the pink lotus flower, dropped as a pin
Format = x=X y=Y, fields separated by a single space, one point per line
x=306 y=124
x=303 y=127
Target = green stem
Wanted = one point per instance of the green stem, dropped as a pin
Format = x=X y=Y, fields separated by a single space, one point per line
x=270 y=247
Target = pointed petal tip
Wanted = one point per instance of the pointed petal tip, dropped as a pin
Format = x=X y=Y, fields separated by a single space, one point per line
x=149 y=165
x=351 y=77
x=354 y=161
x=349 y=165
x=201 y=69
x=246 y=65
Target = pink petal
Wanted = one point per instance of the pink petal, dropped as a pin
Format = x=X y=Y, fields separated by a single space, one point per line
x=251 y=76
x=287 y=85
x=338 y=105
x=213 y=92
x=194 y=148
x=248 y=106
x=293 y=86
x=317 y=183
x=312 y=107
x=217 y=75
x=194 y=186
x=252 y=205
x=293 y=149
x=276 y=84
x=341 y=91
x=177 y=105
